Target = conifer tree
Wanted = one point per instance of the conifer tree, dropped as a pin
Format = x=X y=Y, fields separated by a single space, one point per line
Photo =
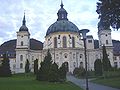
x=43 y=72
x=53 y=75
x=5 y=67
x=98 y=67
x=63 y=71
x=105 y=61
x=36 y=66
x=27 y=68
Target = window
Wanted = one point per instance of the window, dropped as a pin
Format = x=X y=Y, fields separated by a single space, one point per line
x=80 y=55
x=55 y=42
x=62 y=15
x=106 y=41
x=32 y=58
x=69 y=36
x=21 y=65
x=21 y=43
x=14 y=66
x=81 y=64
x=58 y=36
x=64 y=42
x=89 y=41
x=21 y=57
x=74 y=64
x=73 y=42
x=65 y=55
x=73 y=56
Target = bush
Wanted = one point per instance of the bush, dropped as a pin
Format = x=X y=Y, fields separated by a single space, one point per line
x=79 y=72
x=111 y=74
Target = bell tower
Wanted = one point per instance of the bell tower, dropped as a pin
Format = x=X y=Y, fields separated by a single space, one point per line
x=22 y=47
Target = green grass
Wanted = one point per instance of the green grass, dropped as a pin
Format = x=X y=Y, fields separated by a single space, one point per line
x=112 y=82
x=22 y=82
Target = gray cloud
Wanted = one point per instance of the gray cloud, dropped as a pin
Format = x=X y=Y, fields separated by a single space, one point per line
x=40 y=14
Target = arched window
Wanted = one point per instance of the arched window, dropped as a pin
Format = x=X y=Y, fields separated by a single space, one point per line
x=81 y=64
x=55 y=42
x=73 y=42
x=21 y=65
x=21 y=43
x=21 y=57
x=64 y=42
x=81 y=55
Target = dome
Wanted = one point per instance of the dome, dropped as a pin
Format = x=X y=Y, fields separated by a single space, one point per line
x=23 y=28
x=62 y=26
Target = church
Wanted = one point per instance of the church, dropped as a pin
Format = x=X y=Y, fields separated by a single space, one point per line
x=64 y=42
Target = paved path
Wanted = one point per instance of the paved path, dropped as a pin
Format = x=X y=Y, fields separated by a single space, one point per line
x=92 y=86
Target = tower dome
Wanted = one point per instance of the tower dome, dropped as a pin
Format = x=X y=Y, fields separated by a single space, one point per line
x=23 y=27
x=62 y=24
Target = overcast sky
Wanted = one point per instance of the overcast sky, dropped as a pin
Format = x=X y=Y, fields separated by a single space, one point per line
x=40 y=14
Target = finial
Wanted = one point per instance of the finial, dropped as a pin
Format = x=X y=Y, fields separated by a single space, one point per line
x=61 y=4
x=24 y=21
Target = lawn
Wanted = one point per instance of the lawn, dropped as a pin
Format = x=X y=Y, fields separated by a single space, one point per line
x=22 y=82
x=113 y=82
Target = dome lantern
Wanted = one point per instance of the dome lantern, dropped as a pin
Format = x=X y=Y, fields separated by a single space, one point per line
x=62 y=13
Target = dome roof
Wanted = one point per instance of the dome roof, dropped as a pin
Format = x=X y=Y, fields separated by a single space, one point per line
x=23 y=28
x=62 y=26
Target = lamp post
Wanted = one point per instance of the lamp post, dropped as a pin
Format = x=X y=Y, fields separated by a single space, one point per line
x=84 y=31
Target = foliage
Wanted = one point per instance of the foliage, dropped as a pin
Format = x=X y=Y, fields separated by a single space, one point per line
x=98 y=67
x=5 y=67
x=43 y=72
x=105 y=61
x=63 y=71
x=109 y=13
x=36 y=66
x=53 y=73
x=27 y=69
x=79 y=72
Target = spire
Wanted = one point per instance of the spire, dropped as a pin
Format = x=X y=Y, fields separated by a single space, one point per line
x=61 y=4
x=24 y=21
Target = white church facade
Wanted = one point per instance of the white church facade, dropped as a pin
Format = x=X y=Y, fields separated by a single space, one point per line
x=65 y=44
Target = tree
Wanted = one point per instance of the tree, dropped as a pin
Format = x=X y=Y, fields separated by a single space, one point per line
x=43 y=72
x=5 y=67
x=98 y=67
x=105 y=61
x=27 y=69
x=36 y=66
x=109 y=12
x=63 y=71
x=53 y=73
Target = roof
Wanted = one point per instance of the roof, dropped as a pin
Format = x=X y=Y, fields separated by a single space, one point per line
x=23 y=28
x=10 y=46
x=116 y=46
x=62 y=26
